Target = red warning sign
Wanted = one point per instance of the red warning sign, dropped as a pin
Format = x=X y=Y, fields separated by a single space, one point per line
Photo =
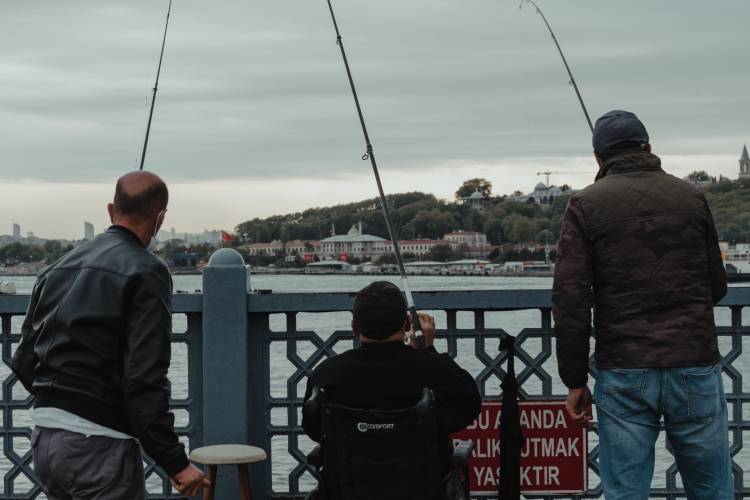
x=554 y=456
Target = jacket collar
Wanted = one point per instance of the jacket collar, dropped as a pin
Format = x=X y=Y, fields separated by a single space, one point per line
x=382 y=346
x=630 y=162
x=122 y=230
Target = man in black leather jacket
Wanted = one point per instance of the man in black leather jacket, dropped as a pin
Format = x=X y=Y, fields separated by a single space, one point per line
x=95 y=352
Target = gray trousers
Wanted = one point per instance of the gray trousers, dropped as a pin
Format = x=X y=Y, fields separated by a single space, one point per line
x=72 y=466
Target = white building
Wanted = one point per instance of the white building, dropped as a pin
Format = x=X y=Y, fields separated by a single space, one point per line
x=542 y=195
x=474 y=242
x=327 y=265
x=16 y=231
x=353 y=244
x=420 y=248
x=475 y=200
x=292 y=247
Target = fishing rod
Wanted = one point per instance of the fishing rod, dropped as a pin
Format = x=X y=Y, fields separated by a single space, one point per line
x=156 y=87
x=565 y=62
x=370 y=154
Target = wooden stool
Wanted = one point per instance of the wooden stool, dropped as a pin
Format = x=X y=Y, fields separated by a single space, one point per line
x=228 y=454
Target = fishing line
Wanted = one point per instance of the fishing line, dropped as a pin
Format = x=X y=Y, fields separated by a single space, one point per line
x=156 y=88
x=565 y=62
x=370 y=154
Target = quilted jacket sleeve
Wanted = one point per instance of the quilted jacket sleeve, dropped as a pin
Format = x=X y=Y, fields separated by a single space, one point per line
x=572 y=297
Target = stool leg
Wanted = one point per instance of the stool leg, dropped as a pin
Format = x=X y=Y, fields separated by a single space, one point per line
x=244 y=479
x=208 y=493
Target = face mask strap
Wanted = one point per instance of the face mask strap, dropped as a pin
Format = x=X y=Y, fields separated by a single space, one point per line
x=159 y=218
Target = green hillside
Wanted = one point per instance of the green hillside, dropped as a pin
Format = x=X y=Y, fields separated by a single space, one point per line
x=421 y=215
x=416 y=215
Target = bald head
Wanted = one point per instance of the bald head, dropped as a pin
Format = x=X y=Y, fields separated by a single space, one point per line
x=140 y=196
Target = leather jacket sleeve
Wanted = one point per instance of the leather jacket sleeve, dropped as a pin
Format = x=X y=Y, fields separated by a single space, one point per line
x=145 y=366
x=716 y=271
x=25 y=359
x=572 y=298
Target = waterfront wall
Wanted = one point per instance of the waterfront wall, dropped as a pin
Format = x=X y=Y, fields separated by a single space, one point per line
x=240 y=363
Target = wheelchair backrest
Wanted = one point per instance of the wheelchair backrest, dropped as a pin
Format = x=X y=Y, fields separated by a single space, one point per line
x=380 y=455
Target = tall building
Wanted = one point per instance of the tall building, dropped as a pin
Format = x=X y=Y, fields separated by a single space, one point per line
x=744 y=163
x=16 y=231
x=88 y=231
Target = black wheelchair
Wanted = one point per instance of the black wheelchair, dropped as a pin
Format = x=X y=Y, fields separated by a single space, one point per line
x=383 y=455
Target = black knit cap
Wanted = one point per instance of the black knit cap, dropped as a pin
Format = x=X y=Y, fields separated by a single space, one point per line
x=618 y=130
x=379 y=310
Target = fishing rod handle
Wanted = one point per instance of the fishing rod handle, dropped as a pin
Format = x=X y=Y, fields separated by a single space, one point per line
x=417 y=327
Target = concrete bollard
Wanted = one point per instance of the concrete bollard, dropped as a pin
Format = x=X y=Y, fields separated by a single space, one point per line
x=226 y=388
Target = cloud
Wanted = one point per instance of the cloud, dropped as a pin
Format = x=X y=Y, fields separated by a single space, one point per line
x=257 y=90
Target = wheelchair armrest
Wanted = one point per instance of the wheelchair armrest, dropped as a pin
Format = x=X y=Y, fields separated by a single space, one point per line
x=314 y=402
x=461 y=453
x=315 y=457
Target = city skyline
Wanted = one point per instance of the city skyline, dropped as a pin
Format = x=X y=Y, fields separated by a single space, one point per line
x=451 y=91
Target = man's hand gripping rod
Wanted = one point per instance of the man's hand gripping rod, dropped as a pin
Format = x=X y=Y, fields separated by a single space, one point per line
x=370 y=154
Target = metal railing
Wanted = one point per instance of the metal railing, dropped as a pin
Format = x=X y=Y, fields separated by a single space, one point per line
x=240 y=364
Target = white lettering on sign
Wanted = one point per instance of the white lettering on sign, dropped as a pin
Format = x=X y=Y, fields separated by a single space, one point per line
x=542 y=419
x=530 y=418
x=554 y=451
x=545 y=447
x=550 y=447
x=537 y=475
x=486 y=448
x=540 y=475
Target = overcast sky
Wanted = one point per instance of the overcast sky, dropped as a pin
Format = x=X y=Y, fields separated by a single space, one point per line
x=254 y=115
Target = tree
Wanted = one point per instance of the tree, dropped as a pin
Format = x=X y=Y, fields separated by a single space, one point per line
x=700 y=176
x=431 y=224
x=493 y=225
x=53 y=250
x=519 y=229
x=18 y=252
x=386 y=258
x=440 y=253
x=545 y=236
x=470 y=186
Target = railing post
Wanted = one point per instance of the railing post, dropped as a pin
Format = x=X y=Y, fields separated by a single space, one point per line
x=226 y=388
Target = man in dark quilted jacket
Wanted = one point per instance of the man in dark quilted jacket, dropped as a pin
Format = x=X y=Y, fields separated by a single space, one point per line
x=639 y=247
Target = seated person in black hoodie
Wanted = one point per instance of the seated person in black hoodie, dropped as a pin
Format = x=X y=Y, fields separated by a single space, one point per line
x=385 y=373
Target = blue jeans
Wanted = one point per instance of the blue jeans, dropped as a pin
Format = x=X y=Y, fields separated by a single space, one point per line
x=630 y=404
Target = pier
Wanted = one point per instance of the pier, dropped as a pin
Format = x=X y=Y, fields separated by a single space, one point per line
x=244 y=358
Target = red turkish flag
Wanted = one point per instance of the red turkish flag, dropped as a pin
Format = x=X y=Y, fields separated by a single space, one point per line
x=225 y=236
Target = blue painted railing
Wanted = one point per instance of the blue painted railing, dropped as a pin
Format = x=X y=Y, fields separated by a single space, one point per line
x=240 y=363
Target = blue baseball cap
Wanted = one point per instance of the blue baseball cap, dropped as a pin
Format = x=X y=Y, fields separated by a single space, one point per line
x=617 y=127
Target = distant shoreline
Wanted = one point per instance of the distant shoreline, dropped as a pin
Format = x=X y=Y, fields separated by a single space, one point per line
x=265 y=272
